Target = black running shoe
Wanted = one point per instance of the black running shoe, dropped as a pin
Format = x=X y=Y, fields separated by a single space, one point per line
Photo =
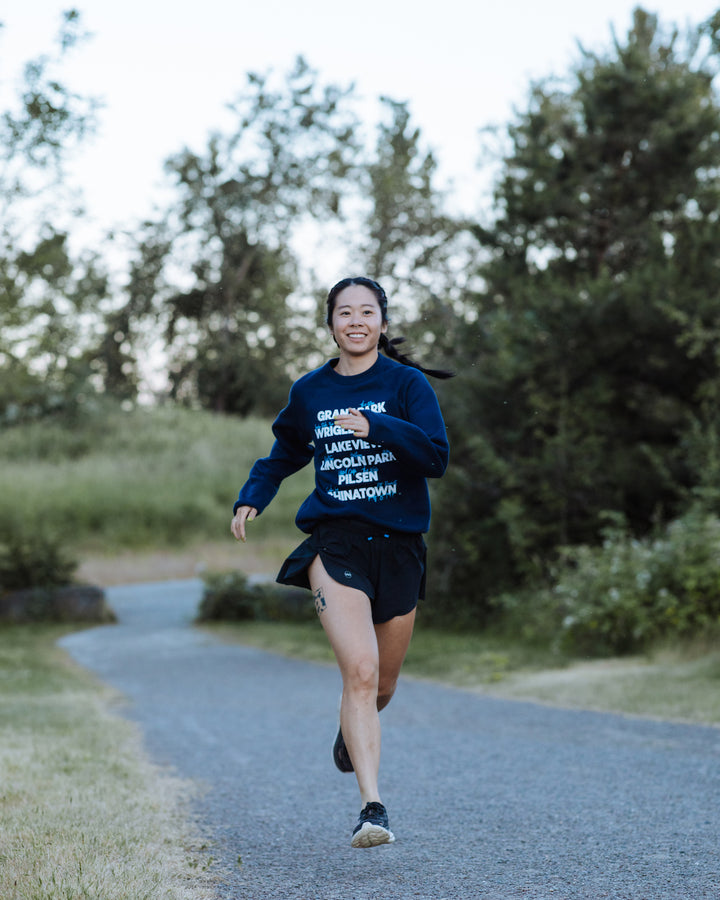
x=341 y=757
x=372 y=827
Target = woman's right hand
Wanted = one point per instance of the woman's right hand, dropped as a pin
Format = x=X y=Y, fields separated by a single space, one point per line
x=237 y=526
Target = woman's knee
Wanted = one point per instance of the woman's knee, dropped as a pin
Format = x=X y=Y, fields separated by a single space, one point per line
x=362 y=675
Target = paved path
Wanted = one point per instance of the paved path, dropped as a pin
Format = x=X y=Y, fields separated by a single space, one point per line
x=488 y=799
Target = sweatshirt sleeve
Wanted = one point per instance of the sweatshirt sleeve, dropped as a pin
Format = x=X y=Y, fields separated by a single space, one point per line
x=292 y=450
x=419 y=439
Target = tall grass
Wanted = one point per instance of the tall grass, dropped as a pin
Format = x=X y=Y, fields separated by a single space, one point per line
x=145 y=478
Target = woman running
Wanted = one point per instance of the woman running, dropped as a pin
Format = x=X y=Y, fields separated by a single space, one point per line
x=373 y=426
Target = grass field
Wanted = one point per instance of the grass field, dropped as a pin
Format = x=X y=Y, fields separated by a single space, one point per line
x=84 y=813
x=144 y=479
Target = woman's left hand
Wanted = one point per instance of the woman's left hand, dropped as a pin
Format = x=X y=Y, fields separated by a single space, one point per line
x=354 y=421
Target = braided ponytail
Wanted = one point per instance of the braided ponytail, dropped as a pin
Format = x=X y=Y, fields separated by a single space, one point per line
x=387 y=345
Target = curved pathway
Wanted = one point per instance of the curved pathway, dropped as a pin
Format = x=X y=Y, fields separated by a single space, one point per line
x=487 y=798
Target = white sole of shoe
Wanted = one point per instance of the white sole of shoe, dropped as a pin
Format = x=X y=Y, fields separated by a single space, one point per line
x=372 y=836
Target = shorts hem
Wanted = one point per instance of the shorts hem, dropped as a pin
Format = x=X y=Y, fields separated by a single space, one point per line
x=294 y=572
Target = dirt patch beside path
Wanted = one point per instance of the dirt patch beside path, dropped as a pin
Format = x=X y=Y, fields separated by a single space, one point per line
x=137 y=567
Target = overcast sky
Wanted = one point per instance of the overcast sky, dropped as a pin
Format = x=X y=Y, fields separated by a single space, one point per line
x=165 y=70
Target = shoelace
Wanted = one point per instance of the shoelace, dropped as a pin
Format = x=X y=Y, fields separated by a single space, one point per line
x=372 y=810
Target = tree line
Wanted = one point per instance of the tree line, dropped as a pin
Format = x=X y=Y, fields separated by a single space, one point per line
x=581 y=312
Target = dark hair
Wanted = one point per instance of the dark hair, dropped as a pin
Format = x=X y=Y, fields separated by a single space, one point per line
x=389 y=346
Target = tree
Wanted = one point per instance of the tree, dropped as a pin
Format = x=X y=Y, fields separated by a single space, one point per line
x=130 y=326
x=579 y=383
x=412 y=245
x=44 y=292
x=230 y=269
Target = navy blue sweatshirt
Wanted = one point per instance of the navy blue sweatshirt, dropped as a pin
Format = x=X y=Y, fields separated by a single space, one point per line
x=380 y=479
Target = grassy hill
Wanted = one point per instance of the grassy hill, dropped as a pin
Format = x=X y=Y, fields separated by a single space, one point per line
x=140 y=480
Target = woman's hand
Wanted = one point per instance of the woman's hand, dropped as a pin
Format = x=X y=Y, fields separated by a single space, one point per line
x=237 y=526
x=354 y=421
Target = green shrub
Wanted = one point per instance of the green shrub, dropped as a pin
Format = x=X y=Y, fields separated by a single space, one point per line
x=626 y=594
x=533 y=616
x=32 y=558
x=233 y=597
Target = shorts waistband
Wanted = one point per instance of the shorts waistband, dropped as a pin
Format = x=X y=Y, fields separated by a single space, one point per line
x=357 y=526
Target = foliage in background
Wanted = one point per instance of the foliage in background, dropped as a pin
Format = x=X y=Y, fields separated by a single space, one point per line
x=30 y=557
x=232 y=597
x=48 y=296
x=232 y=331
x=215 y=291
x=420 y=253
x=626 y=594
x=582 y=317
x=592 y=363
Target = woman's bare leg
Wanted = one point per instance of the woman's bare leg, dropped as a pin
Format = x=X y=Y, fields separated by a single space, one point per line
x=346 y=616
x=393 y=638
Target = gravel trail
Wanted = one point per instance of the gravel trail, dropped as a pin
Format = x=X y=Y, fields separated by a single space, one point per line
x=488 y=798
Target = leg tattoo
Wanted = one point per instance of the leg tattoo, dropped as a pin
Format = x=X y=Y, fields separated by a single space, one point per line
x=320 y=604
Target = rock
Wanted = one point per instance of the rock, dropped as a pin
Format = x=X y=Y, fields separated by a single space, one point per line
x=72 y=603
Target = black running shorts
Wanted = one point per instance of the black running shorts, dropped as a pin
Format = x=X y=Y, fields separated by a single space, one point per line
x=388 y=566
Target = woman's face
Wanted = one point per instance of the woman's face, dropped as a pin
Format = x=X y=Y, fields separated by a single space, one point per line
x=357 y=321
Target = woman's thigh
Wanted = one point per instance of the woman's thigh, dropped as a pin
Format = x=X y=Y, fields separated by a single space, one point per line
x=346 y=616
